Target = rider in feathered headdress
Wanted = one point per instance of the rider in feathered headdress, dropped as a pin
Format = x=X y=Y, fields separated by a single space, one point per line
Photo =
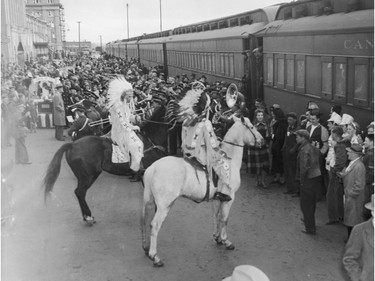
x=121 y=104
x=198 y=138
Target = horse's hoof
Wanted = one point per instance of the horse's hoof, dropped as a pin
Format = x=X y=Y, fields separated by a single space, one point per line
x=158 y=264
x=89 y=220
x=218 y=240
x=147 y=250
x=230 y=247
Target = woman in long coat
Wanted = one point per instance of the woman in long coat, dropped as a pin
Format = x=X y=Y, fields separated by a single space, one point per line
x=279 y=129
x=354 y=179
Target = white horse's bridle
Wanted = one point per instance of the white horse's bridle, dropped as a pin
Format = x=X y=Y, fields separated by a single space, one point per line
x=258 y=143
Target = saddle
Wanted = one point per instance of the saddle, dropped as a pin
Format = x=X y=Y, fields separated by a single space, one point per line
x=192 y=160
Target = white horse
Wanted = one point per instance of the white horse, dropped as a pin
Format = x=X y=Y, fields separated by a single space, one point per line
x=171 y=177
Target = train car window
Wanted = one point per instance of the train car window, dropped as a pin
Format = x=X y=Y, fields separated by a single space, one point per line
x=214 y=62
x=268 y=69
x=313 y=75
x=209 y=63
x=231 y=65
x=300 y=74
x=340 y=82
x=280 y=71
x=327 y=78
x=204 y=61
x=361 y=83
x=222 y=69
x=290 y=72
x=226 y=64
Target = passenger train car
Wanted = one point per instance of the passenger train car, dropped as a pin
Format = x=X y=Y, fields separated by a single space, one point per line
x=291 y=54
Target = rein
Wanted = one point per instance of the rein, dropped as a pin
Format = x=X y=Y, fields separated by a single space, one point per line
x=153 y=146
x=232 y=143
x=239 y=145
x=155 y=122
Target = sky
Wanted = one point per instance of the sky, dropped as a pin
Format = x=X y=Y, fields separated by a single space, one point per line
x=108 y=18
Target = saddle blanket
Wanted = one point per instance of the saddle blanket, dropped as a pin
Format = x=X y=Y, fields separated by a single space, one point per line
x=117 y=155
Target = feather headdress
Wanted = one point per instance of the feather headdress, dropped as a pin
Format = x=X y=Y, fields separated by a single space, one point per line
x=191 y=104
x=117 y=90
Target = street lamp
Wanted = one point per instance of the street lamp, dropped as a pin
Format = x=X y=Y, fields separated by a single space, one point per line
x=127 y=18
x=161 y=26
x=79 y=37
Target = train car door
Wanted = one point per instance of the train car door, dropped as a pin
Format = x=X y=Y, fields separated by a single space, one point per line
x=253 y=68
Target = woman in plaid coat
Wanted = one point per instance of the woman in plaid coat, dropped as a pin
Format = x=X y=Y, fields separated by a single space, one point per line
x=259 y=157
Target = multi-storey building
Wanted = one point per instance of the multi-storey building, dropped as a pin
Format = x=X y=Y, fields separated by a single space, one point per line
x=52 y=12
x=13 y=31
x=23 y=36
x=40 y=33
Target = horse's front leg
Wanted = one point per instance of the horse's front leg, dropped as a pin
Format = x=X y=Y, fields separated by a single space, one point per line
x=216 y=209
x=225 y=209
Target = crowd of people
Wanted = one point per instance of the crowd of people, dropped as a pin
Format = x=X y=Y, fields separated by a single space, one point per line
x=311 y=160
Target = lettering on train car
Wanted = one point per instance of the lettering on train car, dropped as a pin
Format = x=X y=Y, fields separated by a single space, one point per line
x=359 y=44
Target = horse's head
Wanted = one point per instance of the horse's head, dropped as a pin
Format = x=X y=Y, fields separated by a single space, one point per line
x=250 y=136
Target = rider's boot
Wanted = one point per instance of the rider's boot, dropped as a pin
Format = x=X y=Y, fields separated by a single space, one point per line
x=221 y=196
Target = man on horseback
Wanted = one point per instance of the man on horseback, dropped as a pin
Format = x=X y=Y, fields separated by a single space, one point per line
x=199 y=142
x=129 y=145
x=80 y=127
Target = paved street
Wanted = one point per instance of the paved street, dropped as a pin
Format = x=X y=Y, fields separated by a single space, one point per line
x=50 y=241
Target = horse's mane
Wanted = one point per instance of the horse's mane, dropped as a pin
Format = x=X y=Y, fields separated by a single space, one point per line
x=152 y=127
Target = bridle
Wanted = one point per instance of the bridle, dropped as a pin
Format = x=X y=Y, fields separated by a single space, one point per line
x=242 y=145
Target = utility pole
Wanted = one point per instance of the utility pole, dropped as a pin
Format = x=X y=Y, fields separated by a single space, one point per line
x=161 y=25
x=79 y=37
x=101 y=48
x=127 y=18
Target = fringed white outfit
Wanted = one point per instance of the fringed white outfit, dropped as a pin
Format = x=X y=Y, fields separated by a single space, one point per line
x=130 y=146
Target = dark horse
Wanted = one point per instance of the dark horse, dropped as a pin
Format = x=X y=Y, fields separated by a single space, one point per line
x=89 y=156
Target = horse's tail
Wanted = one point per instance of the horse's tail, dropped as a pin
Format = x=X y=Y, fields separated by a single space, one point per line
x=53 y=170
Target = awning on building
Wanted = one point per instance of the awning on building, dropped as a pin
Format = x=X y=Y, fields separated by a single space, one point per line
x=41 y=44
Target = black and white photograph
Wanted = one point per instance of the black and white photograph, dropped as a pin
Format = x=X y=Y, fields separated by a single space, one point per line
x=169 y=140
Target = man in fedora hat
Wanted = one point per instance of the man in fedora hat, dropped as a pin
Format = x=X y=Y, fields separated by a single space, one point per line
x=354 y=179
x=358 y=258
x=58 y=112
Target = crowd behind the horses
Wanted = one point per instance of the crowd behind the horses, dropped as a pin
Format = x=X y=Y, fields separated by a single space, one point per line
x=84 y=84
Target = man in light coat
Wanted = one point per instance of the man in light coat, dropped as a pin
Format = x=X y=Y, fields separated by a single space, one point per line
x=358 y=258
x=354 y=179
x=59 y=112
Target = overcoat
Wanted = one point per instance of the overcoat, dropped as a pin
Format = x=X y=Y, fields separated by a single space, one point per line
x=358 y=258
x=58 y=110
x=354 y=189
